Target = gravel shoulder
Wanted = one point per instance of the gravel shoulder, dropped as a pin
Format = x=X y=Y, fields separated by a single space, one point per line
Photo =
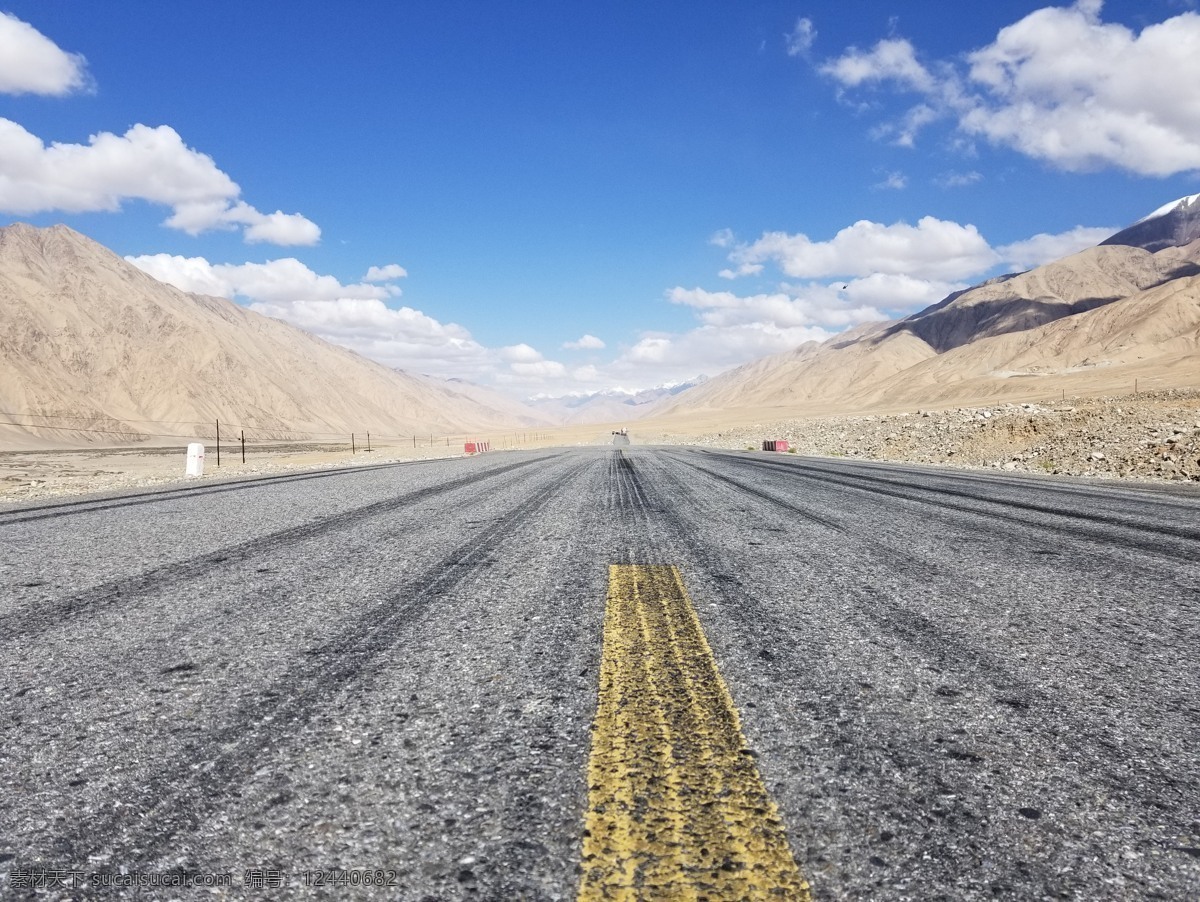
x=1148 y=437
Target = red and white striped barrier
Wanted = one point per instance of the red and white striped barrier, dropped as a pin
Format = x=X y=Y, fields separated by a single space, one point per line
x=775 y=445
x=476 y=447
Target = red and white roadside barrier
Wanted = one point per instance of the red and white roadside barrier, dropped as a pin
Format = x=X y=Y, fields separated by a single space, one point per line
x=476 y=447
x=774 y=445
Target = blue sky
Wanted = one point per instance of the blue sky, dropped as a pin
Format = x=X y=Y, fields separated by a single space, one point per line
x=678 y=187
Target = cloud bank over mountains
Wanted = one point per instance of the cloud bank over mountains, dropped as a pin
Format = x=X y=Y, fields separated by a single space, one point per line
x=871 y=271
x=1060 y=86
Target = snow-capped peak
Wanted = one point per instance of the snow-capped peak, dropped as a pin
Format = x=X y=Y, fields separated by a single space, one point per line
x=1167 y=208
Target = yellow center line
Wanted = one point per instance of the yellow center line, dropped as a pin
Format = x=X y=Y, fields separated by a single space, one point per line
x=676 y=807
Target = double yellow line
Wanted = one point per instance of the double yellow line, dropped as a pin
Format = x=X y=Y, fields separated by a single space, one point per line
x=676 y=807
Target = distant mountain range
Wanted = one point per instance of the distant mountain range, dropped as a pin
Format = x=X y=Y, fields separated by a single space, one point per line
x=1090 y=323
x=609 y=406
x=92 y=349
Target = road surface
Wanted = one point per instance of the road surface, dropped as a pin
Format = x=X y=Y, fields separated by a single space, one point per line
x=947 y=685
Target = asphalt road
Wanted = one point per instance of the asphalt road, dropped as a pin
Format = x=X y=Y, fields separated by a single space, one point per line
x=956 y=686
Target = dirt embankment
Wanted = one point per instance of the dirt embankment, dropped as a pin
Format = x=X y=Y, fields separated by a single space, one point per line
x=1150 y=436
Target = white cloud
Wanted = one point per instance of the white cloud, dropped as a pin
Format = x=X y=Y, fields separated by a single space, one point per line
x=1060 y=85
x=800 y=39
x=354 y=315
x=357 y=317
x=585 y=342
x=385 y=273
x=31 y=63
x=896 y=293
x=535 y=371
x=276 y=281
x=276 y=228
x=1063 y=86
x=1045 y=248
x=399 y=337
x=149 y=164
x=932 y=249
x=527 y=366
x=722 y=238
x=893 y=59
x=804 y=306
x=894 y=181
x=958 y=179
x=194 y=274
x=520 y=353
x=658 y=358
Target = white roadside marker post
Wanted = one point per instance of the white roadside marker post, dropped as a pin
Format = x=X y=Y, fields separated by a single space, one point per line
x=195 y=459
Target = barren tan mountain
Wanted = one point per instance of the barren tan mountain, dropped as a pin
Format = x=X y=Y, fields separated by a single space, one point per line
x=87 y=336
x=1091 y=323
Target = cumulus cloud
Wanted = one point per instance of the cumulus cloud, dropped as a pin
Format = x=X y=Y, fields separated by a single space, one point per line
x=893 y=59
x=1044 y=248
x=527 y=366
x=400 y=337
x=734 y=329
x=352 y=315
x=520 y=353
x=1060 y=85
x=276 y=281
x=659 y=358
x=932 y=249
x=148 y=164
x=1063 y=86
x=584 y=343
x=357 y=316
x=802 y=307
x=385 y=273
x=800 y=39
x=31 y=63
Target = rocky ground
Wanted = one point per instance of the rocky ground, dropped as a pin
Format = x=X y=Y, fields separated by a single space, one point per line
x=1152 y=436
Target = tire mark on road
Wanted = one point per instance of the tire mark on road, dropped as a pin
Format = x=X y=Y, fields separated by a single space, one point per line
x=89 y=505
x=990 y=520
x=894 y=555
x=195 y=782
x=935 y=495
x=951 y=651
x=26 y=624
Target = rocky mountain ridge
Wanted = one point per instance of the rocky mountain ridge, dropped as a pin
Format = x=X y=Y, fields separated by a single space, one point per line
x=1092 y=322
x=93 y=350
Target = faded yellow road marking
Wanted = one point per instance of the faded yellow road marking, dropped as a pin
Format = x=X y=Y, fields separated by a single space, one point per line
x=676 y=808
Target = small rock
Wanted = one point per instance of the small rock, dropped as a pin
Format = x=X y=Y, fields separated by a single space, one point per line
x=1097 y=455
